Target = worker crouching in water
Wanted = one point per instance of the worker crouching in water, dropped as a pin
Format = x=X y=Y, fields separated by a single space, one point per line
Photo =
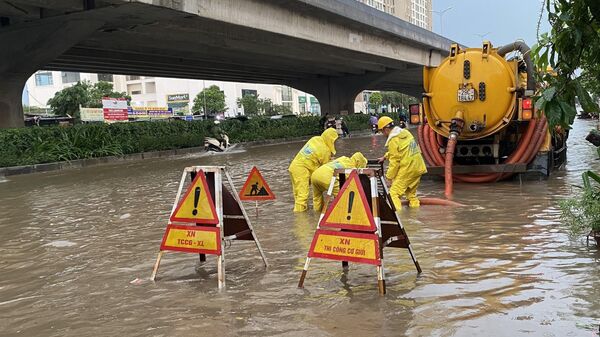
x=406 y=164
x=316 y=152
x=321 y=178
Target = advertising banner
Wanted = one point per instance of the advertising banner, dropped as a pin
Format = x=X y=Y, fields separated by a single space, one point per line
x=152 y=112
x=179 y=103
x=92 y=114
x=114 y=109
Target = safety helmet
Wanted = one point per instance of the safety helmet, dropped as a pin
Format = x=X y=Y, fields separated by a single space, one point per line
x=359 y=160
x=383 y=122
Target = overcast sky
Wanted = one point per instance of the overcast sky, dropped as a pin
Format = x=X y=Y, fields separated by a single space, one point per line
x=503 y=21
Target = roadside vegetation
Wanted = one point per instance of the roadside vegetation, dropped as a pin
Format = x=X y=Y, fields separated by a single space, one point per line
x=82 y=94
x=35 y=145
x=568 y=60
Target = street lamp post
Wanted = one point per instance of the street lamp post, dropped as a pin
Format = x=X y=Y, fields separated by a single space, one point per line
x=204 y=94
x=441 y=13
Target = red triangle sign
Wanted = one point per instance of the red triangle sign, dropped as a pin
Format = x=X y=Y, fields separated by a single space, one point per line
x=350 y=209
x=255 y=187
x=197 y=205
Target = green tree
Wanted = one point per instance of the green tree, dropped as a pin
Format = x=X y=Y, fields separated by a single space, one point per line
x=572 y=45
x=397 y=100
x=250 y=103
x=265 y=106
x=212 y=98
x=67 y=101
x=375 y=100
x=100 y=90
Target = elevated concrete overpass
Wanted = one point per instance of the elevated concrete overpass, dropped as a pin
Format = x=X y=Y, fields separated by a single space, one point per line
x=332 y=49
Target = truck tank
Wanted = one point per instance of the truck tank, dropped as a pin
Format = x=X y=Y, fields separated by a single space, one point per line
x=477 y=121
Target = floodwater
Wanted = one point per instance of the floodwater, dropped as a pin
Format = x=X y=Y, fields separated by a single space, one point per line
x=78 y=246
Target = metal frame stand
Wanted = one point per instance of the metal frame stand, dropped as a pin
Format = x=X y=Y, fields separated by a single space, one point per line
x=218 y=171
x=375 y=176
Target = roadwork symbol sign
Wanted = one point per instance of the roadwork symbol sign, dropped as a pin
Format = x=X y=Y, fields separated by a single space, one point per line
x=192 y=239
x=350 y=209
x=346 y=246
x=197 y=205
x=255 y=187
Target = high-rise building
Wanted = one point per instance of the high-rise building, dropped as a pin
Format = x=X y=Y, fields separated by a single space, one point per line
x=417 y=12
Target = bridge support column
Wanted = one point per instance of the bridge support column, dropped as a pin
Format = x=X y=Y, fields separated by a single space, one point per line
x=26 y=48
x=336 y=95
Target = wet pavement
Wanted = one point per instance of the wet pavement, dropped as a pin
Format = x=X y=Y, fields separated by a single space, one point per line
x=73 y=241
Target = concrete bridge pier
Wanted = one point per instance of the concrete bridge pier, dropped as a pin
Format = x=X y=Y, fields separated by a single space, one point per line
x=336 y=95
x=27 y=47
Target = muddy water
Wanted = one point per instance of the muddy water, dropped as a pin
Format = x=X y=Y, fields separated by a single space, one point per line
x=72 y=242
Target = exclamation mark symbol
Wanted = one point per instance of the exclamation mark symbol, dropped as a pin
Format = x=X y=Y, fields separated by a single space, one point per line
x=196 y=197
x=350 y=202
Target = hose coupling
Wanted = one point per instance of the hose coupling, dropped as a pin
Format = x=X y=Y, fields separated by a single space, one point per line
x=457 y=123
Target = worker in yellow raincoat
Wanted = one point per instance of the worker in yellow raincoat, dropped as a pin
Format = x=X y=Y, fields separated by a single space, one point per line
x=406 y=164
x=321 y=178
x=316 y=152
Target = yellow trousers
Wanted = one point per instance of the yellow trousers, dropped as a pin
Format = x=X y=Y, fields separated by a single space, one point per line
x=319 y=189
x=402 y=186
x=300 y=177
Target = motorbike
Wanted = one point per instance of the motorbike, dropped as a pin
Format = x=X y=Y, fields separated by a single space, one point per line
x=213 y=145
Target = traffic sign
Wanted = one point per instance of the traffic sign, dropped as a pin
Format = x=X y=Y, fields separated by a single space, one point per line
x=192 y=239
x=197 y=205
x=346 y=246
x=255 y=187
x=350 y=209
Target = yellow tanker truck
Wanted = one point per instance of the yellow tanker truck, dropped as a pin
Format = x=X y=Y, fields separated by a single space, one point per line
x=478 y=123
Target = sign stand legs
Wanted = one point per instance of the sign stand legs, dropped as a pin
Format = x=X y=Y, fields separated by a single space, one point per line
x=237 y=198
x=323 y=209
x=219 y=207
x=410 y=251
x=160 y=253
x=156 y=265
x=375 y=211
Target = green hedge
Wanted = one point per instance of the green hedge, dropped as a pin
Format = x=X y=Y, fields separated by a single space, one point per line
x=35 y=145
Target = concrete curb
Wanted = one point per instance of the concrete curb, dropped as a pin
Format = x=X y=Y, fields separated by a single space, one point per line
x=80 y=163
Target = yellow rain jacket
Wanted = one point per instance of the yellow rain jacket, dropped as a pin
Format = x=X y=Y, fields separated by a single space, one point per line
x=316 y=152
x=321 y=178
x=405 y=168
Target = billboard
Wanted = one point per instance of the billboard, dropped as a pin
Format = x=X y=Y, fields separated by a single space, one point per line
x=92 y=114
x=179 y=104
x=152 y=112
x=114 y=109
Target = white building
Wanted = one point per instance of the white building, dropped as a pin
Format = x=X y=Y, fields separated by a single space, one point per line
x=154 y=91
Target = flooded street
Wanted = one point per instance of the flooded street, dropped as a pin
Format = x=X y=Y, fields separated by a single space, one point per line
x=73 y=241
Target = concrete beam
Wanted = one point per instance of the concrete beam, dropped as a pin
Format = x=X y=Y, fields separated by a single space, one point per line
x=29 y=46
x=273 y=16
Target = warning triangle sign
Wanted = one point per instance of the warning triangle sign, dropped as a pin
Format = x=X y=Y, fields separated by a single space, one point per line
x=197 y=205
x=255 y=187
x=350 y=209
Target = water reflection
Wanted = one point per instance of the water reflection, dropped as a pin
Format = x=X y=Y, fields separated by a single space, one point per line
x=73 y=241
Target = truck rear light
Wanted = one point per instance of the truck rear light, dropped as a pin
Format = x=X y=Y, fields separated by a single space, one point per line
x=415 y=113
x=526 y=115
x=527 y=104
